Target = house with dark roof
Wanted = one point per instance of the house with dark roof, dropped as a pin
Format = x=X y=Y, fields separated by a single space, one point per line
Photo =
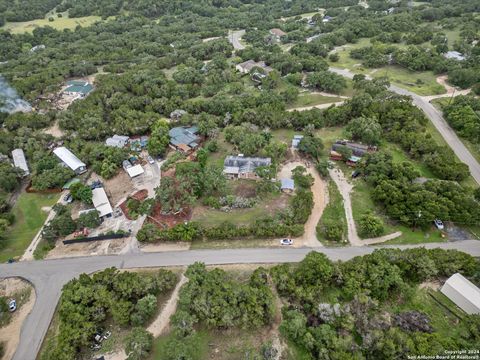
x=241 y=167
x=184 y=139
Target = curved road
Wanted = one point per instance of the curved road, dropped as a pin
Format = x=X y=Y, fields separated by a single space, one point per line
x=234 y=38
x=49 y=276
x=438 y=121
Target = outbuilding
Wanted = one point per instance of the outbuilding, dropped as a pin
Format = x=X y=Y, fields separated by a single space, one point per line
x=118 y=141
x=70 y=160
x=101 y=202
x=287 y=186
x=134 y=171
x=20 y=161
x=463 y=293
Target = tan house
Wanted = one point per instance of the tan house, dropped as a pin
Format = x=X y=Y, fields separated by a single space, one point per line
x=277 y=34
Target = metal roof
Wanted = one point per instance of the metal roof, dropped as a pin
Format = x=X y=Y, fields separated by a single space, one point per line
x=184 y=135
x=20 y=161
x=463 y=293
x=288 y=184
x=69 y=158
x=77 y=87
x=101 y=202
x=117 y=141
x=135 y=170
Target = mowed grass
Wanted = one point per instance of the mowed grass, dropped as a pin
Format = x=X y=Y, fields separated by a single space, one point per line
x=29 y=218
x=420 y=82
x=58 y=24
x=309 y=99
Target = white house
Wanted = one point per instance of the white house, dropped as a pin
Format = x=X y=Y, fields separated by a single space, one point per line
x=20 y=161
x=118 y=141
x=70 y=160
x=101 y=202
x=463 y=293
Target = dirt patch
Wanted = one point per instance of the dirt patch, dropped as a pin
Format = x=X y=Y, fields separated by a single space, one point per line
x=431 y=285
x=246 y=189
x=118 y=187
x=23 y=293
x=167 y=221
x=165 y=247
x=105 y=247
x=54 y=130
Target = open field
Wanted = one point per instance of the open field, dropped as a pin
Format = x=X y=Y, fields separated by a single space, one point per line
x=58 y=24
x=420 y=82
x=29 y=218
x=309 y=99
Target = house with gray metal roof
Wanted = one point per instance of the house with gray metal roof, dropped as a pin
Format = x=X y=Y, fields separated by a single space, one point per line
x=184 y=139
x=240 y=167
x=20 y=161
x=287 y=185
x=118 y=141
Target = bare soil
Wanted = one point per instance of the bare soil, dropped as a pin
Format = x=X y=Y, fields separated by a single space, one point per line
x=118 y=187
x=10 y=334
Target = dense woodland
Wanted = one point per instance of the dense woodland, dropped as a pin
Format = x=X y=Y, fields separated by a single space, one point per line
x=370 y=307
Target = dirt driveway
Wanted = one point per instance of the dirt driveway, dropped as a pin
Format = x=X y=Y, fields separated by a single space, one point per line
x=10 y=334
x=320 y=199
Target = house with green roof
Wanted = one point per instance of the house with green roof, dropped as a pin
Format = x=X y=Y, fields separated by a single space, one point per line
x=77 y=87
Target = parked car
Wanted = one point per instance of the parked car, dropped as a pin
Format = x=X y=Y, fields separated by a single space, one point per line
x=150 y=160
x=355 y=174
x=286 y=242
x=98 y=338
x=96 y=184
x=95 y=347
x=439 y=224
x=107 y=335
x=12 y=305
x=68 y=198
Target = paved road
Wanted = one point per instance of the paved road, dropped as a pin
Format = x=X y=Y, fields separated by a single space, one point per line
x=234 y=38
x=438 y=121
x=49 y=276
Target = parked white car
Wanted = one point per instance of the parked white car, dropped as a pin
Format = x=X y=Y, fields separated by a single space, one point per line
x=439 y=224
x=12 y=305
x=150 y=160
x=286 y=242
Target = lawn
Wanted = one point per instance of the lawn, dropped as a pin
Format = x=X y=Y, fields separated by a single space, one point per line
x=58 y=24
x=420 y=82
x=346 y=62
x=224 y=149
x=29 y=218
x=309 y=99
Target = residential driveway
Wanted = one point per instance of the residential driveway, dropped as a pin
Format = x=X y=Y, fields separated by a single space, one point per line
x=234 y=38
x=437 y=120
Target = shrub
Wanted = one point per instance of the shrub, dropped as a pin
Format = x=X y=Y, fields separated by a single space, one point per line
x=370 y=226
x=138 y=344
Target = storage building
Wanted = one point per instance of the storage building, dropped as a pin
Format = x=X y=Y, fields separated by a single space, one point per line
x=463 y=293
x=20 y=161
x=70 y=160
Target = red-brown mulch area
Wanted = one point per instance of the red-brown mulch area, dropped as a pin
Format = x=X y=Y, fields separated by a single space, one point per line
x=139 y=195
x=167 y=221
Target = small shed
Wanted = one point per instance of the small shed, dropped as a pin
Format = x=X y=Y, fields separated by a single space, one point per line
x=135 y=171
x=20 y=161
x=287 y=186
x=296 y=140
x=463 y=293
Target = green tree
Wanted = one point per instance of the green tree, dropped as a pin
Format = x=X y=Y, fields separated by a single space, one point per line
x=143 y=310
x=138 y=344
x=159 y=139
x=370 y=226
x=81 y=192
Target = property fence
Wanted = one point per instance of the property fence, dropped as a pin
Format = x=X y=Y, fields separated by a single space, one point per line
x=95 y=238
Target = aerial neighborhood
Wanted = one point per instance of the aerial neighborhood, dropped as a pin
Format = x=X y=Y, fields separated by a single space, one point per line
x=261 y=180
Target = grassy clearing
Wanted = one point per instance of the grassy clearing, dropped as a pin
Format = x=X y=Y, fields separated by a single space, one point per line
x=21 y=297
x=334 y=213
x=308 y=99
x=29 y=218
x=58 y=24
x=420 y=82
x=224 y=149
x=266 y=206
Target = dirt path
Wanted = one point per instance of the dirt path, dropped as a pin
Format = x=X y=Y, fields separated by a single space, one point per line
x=10 y=334
x=321 y=106
x=451 y=90
x=319 y=190
x=345 y=189
x=162 y=322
